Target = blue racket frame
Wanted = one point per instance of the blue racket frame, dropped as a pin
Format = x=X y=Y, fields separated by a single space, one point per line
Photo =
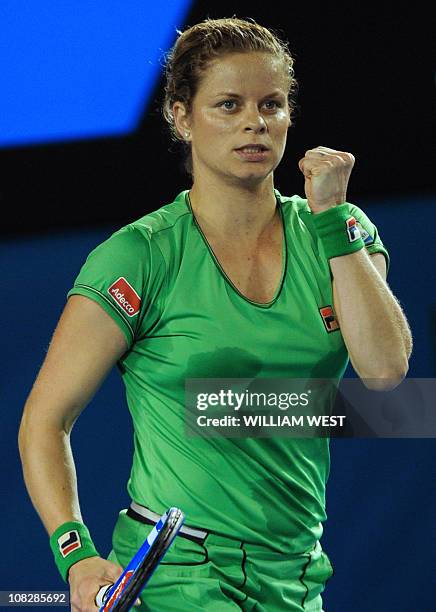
x=109 y=602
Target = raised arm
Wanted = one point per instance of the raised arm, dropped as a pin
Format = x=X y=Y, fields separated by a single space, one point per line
x=372 y=323
x=85 y=346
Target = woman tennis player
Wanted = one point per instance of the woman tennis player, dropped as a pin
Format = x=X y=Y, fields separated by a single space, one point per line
x=231 y=279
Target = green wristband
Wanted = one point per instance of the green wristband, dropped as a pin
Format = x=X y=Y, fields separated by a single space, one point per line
x=71 y=542
x=338 y=231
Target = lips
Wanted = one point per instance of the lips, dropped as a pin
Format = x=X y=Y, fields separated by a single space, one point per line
x=252 y=153
x=252 y=148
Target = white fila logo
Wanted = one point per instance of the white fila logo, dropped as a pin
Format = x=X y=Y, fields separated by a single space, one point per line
x=68 y=542
x=352 y=229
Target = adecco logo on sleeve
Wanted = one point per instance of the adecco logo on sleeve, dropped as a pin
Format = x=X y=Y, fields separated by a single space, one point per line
x=125 y=296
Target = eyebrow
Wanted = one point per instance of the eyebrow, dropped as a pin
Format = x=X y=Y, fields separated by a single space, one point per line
x=231 y=94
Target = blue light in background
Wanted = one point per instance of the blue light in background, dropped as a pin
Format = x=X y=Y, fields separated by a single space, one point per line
x=76 y=69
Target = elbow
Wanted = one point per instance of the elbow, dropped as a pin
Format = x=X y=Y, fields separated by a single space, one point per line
x=388 y=379
x=386 y=365
x=22 y=436
x=384 y=383
x=34 y=431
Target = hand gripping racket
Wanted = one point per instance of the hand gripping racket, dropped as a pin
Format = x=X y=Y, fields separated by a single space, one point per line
x=121 y=596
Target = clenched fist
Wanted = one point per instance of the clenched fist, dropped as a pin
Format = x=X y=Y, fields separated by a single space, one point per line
x=86 y=577
x=326 y=173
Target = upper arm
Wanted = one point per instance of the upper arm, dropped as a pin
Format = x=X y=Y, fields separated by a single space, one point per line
x=85 y=345
x=112 y=303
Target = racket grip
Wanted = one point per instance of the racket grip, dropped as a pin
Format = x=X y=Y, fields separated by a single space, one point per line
x=100 y=598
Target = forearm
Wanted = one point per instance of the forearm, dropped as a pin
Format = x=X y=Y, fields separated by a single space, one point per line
x=373 y=325
x=49 y=471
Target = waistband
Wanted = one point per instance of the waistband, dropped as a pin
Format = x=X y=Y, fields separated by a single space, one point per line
x=201 y=536
x=147 y=516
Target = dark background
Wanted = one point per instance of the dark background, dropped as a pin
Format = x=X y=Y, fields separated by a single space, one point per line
x=366 y=78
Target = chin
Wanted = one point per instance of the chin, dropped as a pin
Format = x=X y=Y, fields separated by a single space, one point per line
x=255 y=176
x=246 y=175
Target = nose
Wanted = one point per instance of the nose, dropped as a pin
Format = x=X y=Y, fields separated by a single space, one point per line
x=254 y=121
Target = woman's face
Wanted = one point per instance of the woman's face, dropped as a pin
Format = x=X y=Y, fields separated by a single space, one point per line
x=242 y=100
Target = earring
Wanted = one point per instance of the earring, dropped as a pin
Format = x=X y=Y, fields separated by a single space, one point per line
x=186 y=134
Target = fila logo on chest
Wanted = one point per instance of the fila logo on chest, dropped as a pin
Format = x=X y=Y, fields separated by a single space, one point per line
x=329 y=319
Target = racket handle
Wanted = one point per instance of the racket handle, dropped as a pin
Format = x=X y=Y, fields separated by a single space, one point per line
x=100 y=598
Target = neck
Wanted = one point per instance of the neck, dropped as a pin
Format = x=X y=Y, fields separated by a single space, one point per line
x=236 y=212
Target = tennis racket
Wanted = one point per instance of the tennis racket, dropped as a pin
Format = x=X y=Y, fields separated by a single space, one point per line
x=121 y=596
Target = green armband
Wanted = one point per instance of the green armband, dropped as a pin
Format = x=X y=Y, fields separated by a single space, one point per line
x=71 y=542
x=338 y=231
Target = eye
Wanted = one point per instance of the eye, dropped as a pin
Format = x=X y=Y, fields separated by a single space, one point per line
x=228 y=105
x=271 y=104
